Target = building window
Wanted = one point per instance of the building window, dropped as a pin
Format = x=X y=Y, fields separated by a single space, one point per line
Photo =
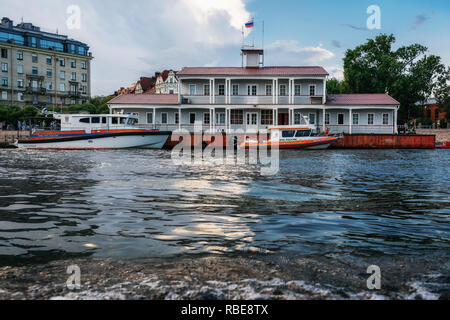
x=49 y=60
x=252 y=90
x=235 y=90
x=62 y=75
x=73 y=88
x=298 y=90
x=4 y=67
x=4 y=53
x=84 y=89
x=33 y=42
x=35 y=71
x=34 y=84
x=220 y=117
x=206 y=91
x=49 y=73
x=355 y=118
x=4 y=95
x=62 y=62
x=206 y=118
x=4 y=82
x=62 y=87
x=73 y=101
x=385 y=118
x=164 y=118
x=268 y=89
x=49 y=99
x=327 y=118
x=221 y=89
x=73 y=76
x=149 y=117
x=192 y=89
x=370 y=118
x=63 y=100
x=177 y=118
x=312 y=90
x=20 y=96
x=84 y=77
x=20 y=69
x=73 y=63
x=192 y=118
x=237 y=117
x=340 y=119
x=49 y=85
x=266 y=117
x=312 y=118
x=19 y=55
x=20 y=83
x=282 y=89
x=34 y=58
x=83 y=65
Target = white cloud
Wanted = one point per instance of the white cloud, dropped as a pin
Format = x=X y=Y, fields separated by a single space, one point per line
x=290 y=52
x=139 y=37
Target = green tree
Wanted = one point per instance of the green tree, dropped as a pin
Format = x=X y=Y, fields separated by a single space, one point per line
x=408 y=74
x=334 y=86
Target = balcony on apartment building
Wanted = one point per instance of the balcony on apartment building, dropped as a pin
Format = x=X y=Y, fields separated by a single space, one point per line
x=252 y=100
x=35 y=90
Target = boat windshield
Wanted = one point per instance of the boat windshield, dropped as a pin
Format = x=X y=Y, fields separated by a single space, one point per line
x=288 y=134
x=131 y=121
x=303 y=133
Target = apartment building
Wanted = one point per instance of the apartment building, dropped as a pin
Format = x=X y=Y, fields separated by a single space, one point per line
x=41 y=68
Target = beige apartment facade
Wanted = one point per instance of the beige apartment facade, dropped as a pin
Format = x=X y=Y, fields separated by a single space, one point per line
x=39 y=75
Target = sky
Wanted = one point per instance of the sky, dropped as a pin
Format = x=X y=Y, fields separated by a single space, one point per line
x=130 y=39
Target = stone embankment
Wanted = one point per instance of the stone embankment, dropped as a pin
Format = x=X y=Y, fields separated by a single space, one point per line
x=7 y=138
x=442 y=135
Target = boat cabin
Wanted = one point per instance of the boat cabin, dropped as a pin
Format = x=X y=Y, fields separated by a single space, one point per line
x=96 y=122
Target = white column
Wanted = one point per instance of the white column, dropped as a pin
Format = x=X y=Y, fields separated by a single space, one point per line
x=350 y=121
x=324 y=127
x=324 y=98
x=273 y=91
x=210 y=119
x=210 y=91
x=226 y=119
x=395 y=121
x=274 y=117
x=179 y=91
x=214 y=119
x=154 y=116
x=276 y=92
x=289 y=95
x=226 y=91
x=214 y=91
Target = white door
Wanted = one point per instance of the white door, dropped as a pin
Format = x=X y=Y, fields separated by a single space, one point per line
x=252 y=120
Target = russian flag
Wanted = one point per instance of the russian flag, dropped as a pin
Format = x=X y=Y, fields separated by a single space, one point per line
x=249 y=24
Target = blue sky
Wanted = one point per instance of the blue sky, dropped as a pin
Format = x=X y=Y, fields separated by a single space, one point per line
x=135 y=38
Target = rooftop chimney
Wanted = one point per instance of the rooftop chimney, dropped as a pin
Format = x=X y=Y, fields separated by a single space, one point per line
x=254 y=58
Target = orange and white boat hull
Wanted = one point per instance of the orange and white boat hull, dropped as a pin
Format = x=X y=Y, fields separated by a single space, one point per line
x=310 y=143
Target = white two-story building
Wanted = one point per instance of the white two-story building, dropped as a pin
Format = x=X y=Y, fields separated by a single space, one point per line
x=254 y=97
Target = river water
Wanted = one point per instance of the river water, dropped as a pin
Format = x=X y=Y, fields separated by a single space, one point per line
x=139 y=226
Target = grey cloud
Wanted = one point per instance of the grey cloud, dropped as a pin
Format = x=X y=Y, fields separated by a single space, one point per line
x=355 y=27
x=419 y=20
x=336 y=43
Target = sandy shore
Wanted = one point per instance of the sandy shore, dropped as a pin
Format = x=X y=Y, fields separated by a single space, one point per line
x=442 y=135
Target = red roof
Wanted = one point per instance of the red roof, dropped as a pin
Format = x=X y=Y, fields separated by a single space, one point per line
x=361 y=99
x=169 y=99
x=266 y=71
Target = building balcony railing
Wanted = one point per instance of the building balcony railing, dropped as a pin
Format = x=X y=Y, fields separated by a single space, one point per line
x=32 y=90
x=74 y=94
x=251 y=100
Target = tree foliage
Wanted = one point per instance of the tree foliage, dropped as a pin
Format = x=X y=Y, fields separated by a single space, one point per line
x=408 y=74
x=12 y=114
